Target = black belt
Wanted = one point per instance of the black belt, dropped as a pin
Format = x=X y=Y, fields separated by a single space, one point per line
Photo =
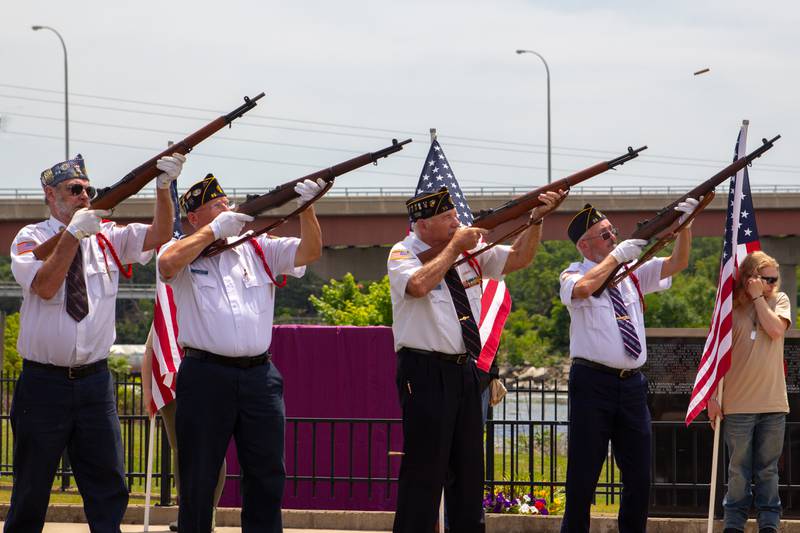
x=457 y=358
x=70 y=372
x=237 y=362
x=622 y=373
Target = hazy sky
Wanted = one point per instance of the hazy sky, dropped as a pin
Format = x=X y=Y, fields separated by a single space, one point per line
x=344 y=77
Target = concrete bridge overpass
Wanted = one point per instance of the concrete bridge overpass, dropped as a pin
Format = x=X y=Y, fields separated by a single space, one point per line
x=359 y=224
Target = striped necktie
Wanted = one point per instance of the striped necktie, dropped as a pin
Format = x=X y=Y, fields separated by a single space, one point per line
x=77 y=302
x=626 y=328
x=469 y=328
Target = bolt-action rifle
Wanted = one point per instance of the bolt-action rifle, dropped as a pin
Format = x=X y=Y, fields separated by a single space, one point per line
x=284 y=193
x=666 y=217
x=135 y=180
x=519 y=207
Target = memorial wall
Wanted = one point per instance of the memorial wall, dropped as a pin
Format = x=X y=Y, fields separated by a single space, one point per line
x=682 y=455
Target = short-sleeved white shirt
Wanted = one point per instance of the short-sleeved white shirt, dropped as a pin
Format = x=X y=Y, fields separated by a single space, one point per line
x=430 y=322
x=47 y=333
x=225 y=303
x=593 y=331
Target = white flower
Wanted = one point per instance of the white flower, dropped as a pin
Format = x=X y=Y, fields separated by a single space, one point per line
x=526 y=499
x=526 y=509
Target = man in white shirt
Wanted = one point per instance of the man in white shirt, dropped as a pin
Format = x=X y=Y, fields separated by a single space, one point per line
x=64 y=397
x=227 y=385
x=607 y=392
x=435 y=308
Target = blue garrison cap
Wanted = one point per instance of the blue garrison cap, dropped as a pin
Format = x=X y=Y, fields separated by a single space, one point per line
x=67 y=170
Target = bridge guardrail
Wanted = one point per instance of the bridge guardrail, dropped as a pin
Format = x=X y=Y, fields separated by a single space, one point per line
x=16 y=193
x=135 y=291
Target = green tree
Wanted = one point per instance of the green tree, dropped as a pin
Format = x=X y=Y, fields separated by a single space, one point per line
x=292 y=301
x=347 y=302
x=12 y=362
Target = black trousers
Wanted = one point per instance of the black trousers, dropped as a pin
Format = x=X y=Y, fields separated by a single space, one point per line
x=50 y=413
x=603 y=408
x=442 y=431
x=215 y=402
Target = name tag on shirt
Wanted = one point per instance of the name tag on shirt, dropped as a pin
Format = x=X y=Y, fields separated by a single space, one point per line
x=198 y=271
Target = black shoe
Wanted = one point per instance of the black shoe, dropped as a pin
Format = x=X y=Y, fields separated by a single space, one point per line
x=767 y=530
x=173 y=526
x=734 y=530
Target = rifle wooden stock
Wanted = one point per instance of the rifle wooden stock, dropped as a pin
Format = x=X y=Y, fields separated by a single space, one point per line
x=667 y=216
x=284 y=193
x=135 y=180
x=519 y=207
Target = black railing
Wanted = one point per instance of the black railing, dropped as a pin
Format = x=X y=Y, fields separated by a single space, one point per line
x=526 y=450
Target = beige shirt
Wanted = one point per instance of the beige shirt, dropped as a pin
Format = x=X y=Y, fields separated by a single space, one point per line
x=756 y=382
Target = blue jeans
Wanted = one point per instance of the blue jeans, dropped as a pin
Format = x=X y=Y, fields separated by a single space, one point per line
x=755 y=443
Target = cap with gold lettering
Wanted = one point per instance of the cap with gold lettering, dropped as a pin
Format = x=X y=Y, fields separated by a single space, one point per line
x=428 y=204
x=585 y=219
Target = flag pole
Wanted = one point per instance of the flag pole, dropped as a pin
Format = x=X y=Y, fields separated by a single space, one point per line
x=441 y=500
x=149 y=478
x=712 y=497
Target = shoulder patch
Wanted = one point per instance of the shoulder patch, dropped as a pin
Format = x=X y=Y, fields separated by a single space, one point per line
x=399 y=254
x=567 y=273
x=24 y=247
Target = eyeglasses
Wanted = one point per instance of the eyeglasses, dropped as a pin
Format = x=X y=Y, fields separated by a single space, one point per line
x=605 y=235
x=76 y=190
x=769 y=280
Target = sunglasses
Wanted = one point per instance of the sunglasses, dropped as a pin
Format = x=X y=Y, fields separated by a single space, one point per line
x=769 y=280
x=76 y=190
x=605 y=235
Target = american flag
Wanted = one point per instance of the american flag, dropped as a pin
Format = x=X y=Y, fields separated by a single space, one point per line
x=167 y=354
x=496 y=300
x=716 y=359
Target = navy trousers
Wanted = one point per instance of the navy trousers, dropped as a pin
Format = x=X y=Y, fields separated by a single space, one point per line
x=442 y=436
x=603 y=408
x=215 y=403
x=50 y=413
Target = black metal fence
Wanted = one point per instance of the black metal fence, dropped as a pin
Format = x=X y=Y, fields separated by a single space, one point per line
x=526 y=450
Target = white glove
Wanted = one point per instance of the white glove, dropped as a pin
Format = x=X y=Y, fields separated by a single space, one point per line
x=307 y=190
x=171 y=167
x=628 y=250
x=229 y=224
x=86 y=222
x=687 y=207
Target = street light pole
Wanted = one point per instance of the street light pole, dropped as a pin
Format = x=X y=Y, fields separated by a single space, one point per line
x=66 y=88
x=549 y=151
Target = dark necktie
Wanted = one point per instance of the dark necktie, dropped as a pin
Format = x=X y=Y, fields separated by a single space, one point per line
x=629 y=337
x=469 y=328
x=77 y=303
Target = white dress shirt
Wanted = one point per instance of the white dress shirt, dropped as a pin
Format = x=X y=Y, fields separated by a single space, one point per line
x=225 y=303
x=47 y=333
x=430 y=322
x=593 y=330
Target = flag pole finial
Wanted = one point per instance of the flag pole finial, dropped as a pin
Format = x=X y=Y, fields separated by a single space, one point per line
x=433 y=134
x=745 y=122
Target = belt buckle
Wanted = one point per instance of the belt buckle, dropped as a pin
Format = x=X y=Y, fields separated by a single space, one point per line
x=462 y=358
x=70 y=375
x=625 y=373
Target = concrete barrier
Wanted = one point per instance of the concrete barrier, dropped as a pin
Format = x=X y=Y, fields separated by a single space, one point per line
x=382 y=521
